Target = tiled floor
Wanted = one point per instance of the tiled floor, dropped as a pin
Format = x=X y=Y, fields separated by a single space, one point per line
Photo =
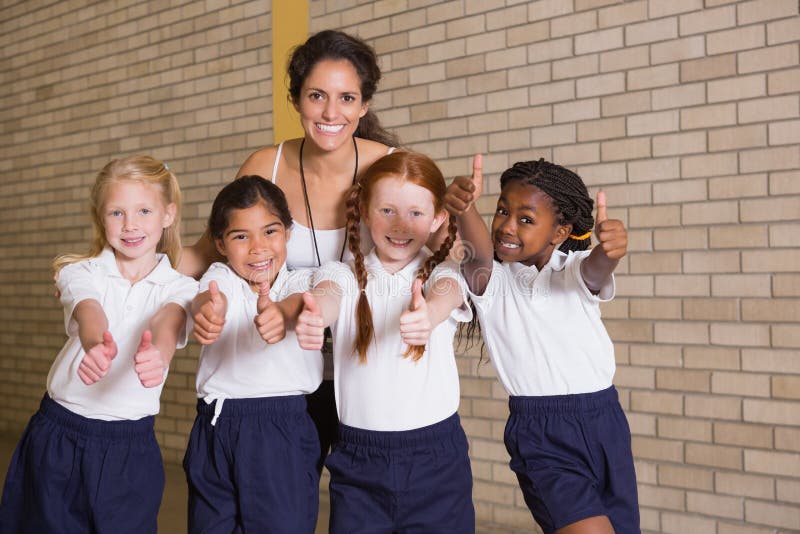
x=172 y=516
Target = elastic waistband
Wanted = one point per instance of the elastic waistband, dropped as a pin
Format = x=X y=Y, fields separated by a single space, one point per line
x=94 y=427
x=233 y=407
x=400 y=438
x=579 y=402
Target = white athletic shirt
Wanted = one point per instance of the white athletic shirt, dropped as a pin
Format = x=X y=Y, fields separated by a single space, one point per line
x=300 y=251
x=240 y=364
x=119 y=395
x=543 y=330
x=391 y=392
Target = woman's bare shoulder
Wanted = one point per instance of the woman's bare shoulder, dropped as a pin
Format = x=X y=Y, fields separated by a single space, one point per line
x=371 y=150
x=262 y=161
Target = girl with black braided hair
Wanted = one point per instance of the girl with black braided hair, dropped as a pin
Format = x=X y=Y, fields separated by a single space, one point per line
x=537 y=287
x=401 y=461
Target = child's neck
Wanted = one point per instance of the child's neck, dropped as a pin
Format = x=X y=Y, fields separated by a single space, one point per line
x=134 y=270
x=391 y=265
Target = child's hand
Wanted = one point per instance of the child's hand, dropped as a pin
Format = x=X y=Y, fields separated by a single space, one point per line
x=463 y=191
x=415 y=323
x=148 y=362
x=208 y=322
x=269 y=320
x=97 y=360
x=309 y=329
x=610 y=233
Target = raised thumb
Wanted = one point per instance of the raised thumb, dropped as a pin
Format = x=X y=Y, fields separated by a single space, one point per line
x=417 y=299
x=602 y=214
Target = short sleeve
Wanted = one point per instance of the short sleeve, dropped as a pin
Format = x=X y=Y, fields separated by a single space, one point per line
x=574 y=262
x=297 y=281
x=450 y=269
x=77 y=282
x=219 y=273
x=338 y=273
x=181 y=292
x=494 y=287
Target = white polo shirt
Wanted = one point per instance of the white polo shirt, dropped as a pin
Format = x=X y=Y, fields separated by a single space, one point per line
x=543 y=329
x=391 y=392
x=240 y=364
x=119 y=395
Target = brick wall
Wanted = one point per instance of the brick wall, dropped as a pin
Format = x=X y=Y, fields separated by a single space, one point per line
x=686 y=112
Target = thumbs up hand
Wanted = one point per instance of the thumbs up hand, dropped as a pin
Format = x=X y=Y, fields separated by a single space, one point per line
x=463 y=191
x=148 y=362
x=415 y=323
x=97 y=360
x=269 y=320
x=610 y=233
x=210 y=316
x=309 y=328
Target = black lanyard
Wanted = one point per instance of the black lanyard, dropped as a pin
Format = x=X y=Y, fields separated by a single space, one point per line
x=308 y=205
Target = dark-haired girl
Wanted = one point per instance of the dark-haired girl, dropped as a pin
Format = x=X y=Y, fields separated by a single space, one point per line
x=401 y=462
x=332 y=79
x=253 y=449
x=538 y=306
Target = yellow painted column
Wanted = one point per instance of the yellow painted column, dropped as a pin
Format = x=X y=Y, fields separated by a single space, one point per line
x=289 y=29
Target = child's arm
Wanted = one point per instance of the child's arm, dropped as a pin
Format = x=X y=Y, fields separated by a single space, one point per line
x=459 y=200
x=320 y=309
x=195 y=259
x=417 y=323
x=97 y=342
x=208 y=311
x=158 y=344
x=611 y=247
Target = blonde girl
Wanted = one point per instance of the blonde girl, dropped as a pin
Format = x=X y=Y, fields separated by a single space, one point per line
x=401 y=460
x=91 y=443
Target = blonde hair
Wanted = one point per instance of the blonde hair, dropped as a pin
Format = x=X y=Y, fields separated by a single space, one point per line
x=414 y=168
x=144 y=170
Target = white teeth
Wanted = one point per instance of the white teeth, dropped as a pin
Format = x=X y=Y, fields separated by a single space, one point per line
x=330 y=128
x=260 y=264
x=508 y=245
x=132 y=239
x=399 y=241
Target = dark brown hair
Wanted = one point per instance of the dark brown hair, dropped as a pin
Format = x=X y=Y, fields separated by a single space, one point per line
x=336 y=45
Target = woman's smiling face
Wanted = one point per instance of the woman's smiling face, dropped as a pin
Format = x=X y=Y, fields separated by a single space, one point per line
x=330 y=103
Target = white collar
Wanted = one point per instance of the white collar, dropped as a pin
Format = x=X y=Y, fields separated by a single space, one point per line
x=557 y=262
x=274 y=288
x=375 y=267
x=162 y=274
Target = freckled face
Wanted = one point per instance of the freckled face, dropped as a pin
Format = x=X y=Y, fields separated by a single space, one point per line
x=330 y=103
x=524 y=228
x=254 y=244
x=401 y=217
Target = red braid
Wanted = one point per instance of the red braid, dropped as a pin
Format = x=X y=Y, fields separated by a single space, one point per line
x=365 y=330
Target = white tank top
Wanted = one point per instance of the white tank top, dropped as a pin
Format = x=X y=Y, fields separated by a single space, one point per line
x=300 y=251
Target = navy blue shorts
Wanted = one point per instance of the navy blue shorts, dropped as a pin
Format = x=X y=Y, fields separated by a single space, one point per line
x=412 y=481
x=74 y=474
x=254 y=470
x=572 y=457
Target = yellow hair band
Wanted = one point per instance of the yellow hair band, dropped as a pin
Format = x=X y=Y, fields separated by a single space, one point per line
x=581 y=237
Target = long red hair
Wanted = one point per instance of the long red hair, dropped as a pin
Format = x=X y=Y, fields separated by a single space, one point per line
x=417 y=169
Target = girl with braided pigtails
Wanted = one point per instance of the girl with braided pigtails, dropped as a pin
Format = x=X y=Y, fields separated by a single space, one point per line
x=401 y=461
x=537 y=287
